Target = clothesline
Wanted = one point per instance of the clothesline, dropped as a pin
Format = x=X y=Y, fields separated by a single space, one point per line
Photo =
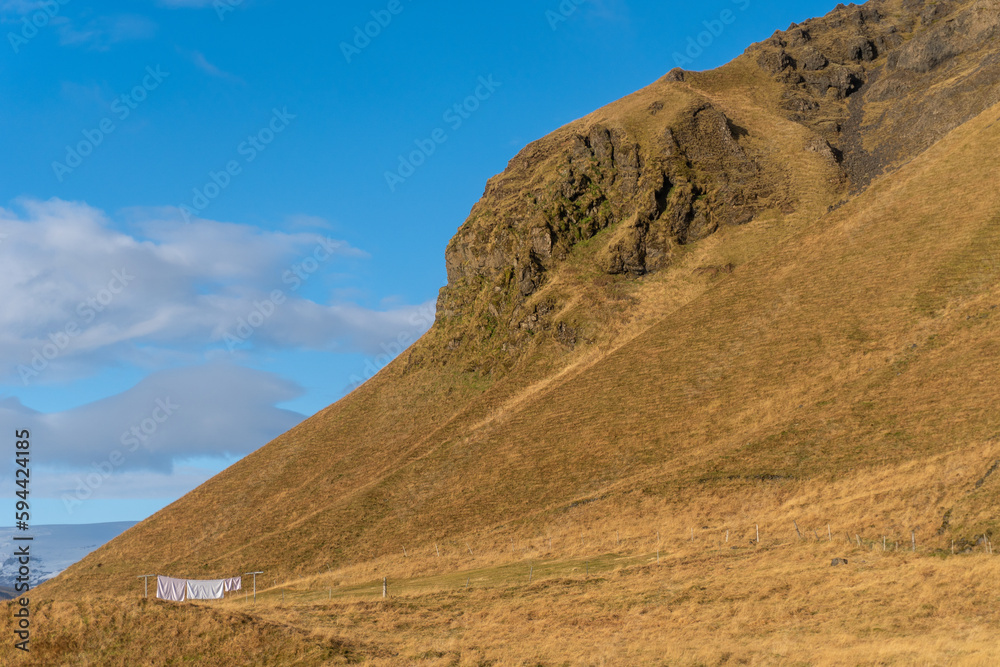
x=179 y=590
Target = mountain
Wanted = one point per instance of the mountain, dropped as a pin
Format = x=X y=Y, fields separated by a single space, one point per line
x=54 y=549
x=644 y=232
x=744 y=298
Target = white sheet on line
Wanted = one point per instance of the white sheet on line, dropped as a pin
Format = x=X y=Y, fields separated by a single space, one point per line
x=171 y=589
x=206 y=590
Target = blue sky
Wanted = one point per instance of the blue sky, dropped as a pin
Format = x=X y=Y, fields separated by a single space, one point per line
x=199 y=244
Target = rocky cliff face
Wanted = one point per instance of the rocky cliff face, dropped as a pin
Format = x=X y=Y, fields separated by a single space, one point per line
x=639 y=188
x=883 y=81
x=645 y=181
x=679 y=186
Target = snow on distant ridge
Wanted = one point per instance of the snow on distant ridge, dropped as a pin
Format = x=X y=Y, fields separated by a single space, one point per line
x=54 y=548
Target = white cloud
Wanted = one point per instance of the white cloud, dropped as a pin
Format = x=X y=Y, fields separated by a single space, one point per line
x=201 y=62
x=214 y=411
x=81 y=294
x=307 y=222
x=21 y=7
x=128 y=485
x=103 y=32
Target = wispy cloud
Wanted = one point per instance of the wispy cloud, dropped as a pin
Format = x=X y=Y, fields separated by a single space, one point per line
x=201 y=62
x=21 y=7
x=103 y=32
x=165 y=287
x=307 y=222
x=213 y=411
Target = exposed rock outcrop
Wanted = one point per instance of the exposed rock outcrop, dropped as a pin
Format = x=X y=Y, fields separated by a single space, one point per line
x=867 y=78
x=633 y=189
x=644 y=194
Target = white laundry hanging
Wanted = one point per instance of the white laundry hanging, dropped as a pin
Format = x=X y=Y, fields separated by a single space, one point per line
x=206 y=590
x=171 y=589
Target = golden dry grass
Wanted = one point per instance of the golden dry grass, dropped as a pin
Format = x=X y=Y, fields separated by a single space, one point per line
x=599 y=596
x=769 y=606
x=704 y=603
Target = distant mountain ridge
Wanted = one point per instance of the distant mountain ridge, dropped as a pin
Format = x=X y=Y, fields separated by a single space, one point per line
x=53 y=549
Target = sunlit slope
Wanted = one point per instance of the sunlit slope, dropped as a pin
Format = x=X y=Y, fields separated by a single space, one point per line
x=870 y=337
x=367 y=465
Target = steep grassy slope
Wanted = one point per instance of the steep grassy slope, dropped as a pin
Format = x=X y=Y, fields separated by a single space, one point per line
x=369 y=465
x=866 y=339
x=671 y=315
